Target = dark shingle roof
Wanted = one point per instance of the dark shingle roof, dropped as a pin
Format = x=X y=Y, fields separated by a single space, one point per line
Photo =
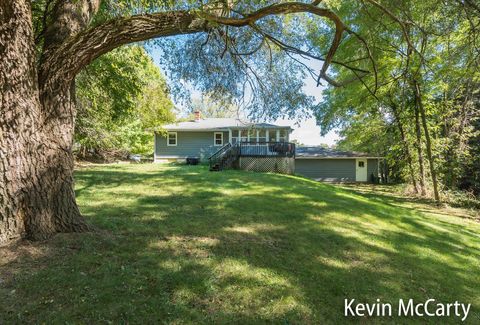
x=321 y=152
x=217 y=123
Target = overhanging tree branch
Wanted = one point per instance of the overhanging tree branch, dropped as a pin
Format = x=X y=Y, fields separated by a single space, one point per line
x=79 y=50
x=292 y=7
x=290 y=49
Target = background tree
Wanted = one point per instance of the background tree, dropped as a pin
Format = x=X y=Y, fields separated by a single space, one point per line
x=119 y=97
x=210 y=108
x=422 y=101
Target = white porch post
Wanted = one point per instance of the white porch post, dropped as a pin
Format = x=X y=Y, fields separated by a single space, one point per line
x=230 y=136
x=278 y=135
x=268 y=134
x=257 y=135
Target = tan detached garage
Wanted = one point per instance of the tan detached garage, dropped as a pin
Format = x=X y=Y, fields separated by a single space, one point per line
x=324 y=164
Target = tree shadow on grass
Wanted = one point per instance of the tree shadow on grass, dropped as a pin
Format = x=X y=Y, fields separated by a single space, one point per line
x=188 y=246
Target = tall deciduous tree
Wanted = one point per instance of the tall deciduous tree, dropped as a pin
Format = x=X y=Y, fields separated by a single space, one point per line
x=120 y=96
x=428 y=62
x=41 y=58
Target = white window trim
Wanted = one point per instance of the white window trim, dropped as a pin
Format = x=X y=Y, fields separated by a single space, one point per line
x=215 y=139
x=176 y=139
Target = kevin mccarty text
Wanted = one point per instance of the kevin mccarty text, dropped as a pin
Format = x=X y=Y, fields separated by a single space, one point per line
x=429 y=308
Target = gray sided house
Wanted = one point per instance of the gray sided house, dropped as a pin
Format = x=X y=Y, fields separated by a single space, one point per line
x=201 y=138
x=231 y=143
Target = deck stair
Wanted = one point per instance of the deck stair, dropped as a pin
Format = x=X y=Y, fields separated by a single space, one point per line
x=225 y=158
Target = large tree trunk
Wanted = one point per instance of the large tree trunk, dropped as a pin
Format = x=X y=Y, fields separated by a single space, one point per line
x=19 y=115
x=19 y=110
x=55 y=209
x=36 y=193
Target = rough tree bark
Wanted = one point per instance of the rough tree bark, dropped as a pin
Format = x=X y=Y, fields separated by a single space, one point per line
x=36 y=192
x=37 y=109
x=19 y=111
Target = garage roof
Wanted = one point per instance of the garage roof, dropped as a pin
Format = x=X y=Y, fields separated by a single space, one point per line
x=322 y=152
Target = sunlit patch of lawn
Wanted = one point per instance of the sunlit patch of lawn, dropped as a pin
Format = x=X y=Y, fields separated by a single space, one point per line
x=180 y=244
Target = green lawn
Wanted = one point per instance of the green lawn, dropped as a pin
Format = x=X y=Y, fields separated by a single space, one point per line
x=179 y=244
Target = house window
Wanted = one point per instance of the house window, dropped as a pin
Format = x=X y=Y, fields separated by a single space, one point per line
x=262 y=136
x=172 y=139
x=235 y=136
x=283 y=136
x=243 y=135
x=218 y=138
x=272 y=136
x=252 y=136
x=361 y=164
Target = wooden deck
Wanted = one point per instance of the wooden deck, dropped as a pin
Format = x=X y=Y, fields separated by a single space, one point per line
x=275 y=157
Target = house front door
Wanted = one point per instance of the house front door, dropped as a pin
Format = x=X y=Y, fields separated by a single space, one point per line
x=361 y=170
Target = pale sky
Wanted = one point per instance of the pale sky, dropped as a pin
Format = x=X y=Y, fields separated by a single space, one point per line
x=308 y=133
x=305 y=131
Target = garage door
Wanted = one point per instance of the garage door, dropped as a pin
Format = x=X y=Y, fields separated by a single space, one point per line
x=329 y=170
